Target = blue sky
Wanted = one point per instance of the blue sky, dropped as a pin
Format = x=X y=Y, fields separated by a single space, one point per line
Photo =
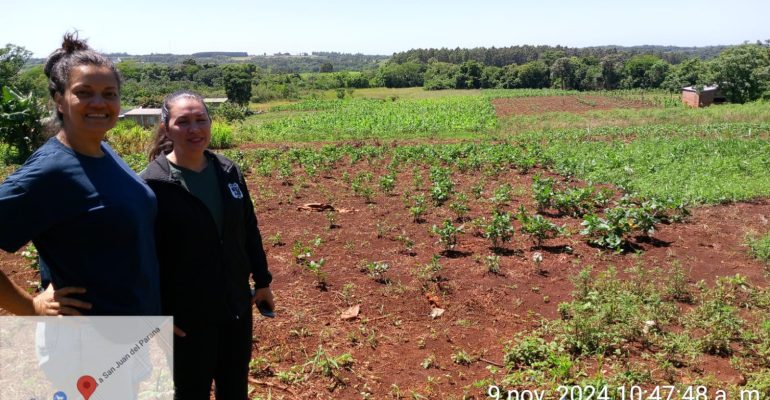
x=381 y=27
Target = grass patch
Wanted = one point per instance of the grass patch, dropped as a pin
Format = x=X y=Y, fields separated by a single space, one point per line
x=128 y=137
x=221 y=135
x=759 y=246
x=684 y=169
x=757 y=112
x=629 y=325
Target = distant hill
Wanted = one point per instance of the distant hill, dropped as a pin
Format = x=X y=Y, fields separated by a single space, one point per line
x=502 y=56
x=205 y=54
x=279 y=62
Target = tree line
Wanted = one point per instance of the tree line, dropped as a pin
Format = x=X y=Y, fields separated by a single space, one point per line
x=742 y=72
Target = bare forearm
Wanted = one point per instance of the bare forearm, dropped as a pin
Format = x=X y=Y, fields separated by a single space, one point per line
x=14 y=299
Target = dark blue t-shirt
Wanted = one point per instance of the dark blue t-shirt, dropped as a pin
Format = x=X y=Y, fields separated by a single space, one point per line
x=92 y=222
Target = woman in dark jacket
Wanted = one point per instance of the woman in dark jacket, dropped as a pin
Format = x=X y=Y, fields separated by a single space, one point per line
x=208 y=246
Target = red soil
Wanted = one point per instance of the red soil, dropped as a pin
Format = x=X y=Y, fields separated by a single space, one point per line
x=571 y=104
x=394 y=333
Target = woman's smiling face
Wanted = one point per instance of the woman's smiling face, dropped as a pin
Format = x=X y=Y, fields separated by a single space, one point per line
x=189 y=126
x=91 y=102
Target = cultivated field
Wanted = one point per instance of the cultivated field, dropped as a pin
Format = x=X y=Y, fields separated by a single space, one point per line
x=445 y=246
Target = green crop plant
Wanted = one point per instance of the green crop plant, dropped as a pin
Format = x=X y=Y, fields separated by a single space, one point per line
x=462 y=358
x=406 y=242
x=442 y=185
x=417 y=179
x=575 y=202
x=543 y=192
x=284 y=170
x=370 y=118
x=31 y=255
x=537 y=227
x=276 y=240
x=361 y=186
x=477 y=190
x=501 y=196
x=419 y=208
x=530 y=351
x=610 y=232
x=388 y=183
x=447 y=234
x=499 y=230
x=377 y=270
x=619 y=222
x=328 y=365
x=316 y=268
x=301 y=252
x=460 y=206
x=430 y=272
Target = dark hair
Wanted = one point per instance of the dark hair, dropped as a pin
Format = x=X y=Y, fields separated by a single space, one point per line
x=161 y=144
x=73 y=53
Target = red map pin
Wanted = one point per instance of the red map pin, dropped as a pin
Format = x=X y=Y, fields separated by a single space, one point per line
x=86 y=386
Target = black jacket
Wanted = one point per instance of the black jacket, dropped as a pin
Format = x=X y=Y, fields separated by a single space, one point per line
x=204 y=276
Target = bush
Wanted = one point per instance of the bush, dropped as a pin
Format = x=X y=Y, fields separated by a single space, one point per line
x=127 y=137
x=221 y=135
x=20 y=126
x=231 y=112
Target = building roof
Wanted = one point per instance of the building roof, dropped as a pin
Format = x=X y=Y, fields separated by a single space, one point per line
x=708 y=88
x=215 y=100
x=144 y=111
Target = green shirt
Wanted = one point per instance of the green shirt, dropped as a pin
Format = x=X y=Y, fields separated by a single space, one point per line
x=205 y=186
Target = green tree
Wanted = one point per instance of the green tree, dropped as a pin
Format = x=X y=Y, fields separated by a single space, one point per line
x=326 y=67
x=470 y=75
x=635 y=72
x=742 y=72
x=237 y=81
x=209 y=76
x=490 y=76
x=533 y=74
x=441 y=75
x=655 y=76
x=33 y=80
x=687 y=73
x=12 y=59
x=189 y=68
x=130 y=69
x=587 y=75
x=612 y=71
x=563 y=72
x=408 y=74
x=509 y=77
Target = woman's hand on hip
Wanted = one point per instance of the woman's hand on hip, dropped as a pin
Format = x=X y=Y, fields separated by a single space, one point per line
x=55 y=301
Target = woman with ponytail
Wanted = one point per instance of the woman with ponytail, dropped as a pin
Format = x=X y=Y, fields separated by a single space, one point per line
x=209 y=247
x=90 y=217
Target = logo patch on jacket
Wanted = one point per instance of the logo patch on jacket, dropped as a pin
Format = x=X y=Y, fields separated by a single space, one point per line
x=235 y=190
